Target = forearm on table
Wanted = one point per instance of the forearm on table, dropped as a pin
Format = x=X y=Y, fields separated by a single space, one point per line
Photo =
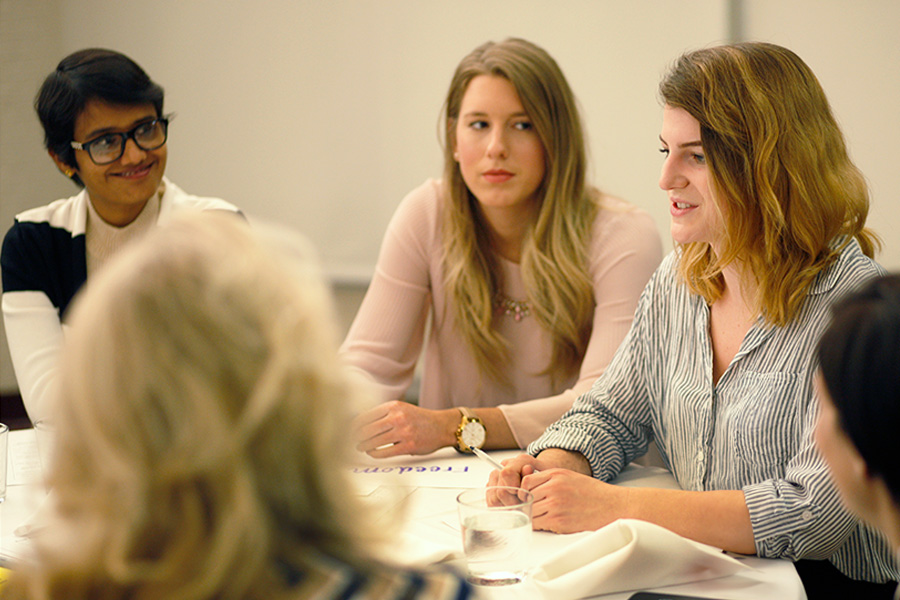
x=565 y=459
x=718 y=518
x=498 y=434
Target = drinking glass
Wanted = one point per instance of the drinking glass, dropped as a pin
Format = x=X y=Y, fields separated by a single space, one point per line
x=496 y=530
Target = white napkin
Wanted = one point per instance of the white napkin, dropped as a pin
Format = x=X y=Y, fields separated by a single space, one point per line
x=629 y=555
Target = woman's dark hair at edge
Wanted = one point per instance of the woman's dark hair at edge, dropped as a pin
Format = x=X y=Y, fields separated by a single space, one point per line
x=858 y=357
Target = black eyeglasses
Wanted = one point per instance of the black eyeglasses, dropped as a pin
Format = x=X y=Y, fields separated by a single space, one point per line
x=110 y=147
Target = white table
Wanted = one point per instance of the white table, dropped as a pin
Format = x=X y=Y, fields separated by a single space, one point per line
x=426 y=489
x=430 y=529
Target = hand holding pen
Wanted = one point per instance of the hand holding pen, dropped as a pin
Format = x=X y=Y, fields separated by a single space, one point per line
x=487 y=458
x=504 y=476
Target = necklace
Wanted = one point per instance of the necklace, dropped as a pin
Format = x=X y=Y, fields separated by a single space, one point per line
x=518 y=309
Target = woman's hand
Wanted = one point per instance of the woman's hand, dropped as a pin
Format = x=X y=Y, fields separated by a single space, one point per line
x=568 y=502
x=514 y=469
x=566 y=498
x=396 y=428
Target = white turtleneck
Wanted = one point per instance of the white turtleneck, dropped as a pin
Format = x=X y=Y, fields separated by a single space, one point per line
x=103 y=240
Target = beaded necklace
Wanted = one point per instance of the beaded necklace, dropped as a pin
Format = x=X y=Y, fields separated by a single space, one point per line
x=518 y=309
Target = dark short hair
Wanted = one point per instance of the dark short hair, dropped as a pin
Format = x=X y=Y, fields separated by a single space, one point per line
x=859 y=355
x=90 y=74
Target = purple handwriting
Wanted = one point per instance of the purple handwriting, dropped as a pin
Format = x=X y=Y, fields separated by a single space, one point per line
x=401 y=470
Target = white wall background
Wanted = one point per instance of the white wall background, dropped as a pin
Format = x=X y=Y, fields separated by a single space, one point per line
x=323 y=114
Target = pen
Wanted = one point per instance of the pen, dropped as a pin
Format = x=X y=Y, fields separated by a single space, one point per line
x=487 y=458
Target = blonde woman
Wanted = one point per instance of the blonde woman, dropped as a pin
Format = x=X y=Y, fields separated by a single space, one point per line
x=199 y=450
x=519 y=278
x=768 y=213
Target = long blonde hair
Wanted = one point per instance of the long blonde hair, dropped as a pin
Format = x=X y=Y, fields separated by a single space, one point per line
x=554 y=256
x=790 y=196
x=201 y=428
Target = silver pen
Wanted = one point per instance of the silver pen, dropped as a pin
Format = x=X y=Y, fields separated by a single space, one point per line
x=487 y=458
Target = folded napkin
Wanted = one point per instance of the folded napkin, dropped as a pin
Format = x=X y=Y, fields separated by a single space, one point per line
x=629 y=555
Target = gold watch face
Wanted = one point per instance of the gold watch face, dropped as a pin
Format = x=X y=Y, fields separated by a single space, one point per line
x=473 y=434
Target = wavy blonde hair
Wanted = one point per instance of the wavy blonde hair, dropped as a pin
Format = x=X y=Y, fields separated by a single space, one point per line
x=202 y=428
x=790 y=197
x=554 y=256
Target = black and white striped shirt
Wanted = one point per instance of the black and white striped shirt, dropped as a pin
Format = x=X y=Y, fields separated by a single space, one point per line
x=751 y=431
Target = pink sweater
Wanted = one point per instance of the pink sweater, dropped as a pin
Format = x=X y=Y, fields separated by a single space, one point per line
x=386 y=338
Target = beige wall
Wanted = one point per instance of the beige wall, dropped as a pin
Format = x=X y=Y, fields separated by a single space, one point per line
x=30 y=46
x=854 y=49
x=323 y=114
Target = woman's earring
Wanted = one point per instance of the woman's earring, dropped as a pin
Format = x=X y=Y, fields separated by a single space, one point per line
x=68 y=173
x=456 y=156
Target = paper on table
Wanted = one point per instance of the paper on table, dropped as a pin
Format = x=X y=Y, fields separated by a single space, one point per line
x=24 y=461
x=427 y=523
x=442 y=469
x=629 y=555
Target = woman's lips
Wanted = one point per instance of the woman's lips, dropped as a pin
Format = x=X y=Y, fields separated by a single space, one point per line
x=497 y=176
x=678 y=208
x=135 y=173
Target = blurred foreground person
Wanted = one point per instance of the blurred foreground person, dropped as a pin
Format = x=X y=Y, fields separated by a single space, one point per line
x=201 y=434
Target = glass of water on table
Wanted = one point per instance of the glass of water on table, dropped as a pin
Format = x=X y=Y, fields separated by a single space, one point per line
x=496 y=530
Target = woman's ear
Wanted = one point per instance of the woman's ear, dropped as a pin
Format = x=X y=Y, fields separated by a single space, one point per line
x=451 y=134
x=65 y=168
x=872 y=492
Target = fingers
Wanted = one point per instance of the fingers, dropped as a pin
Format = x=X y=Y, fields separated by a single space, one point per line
x=508 y=477
x=385 y=451
x=514 y=469
x=377 y=429
x=371 y=415
x=494 y=478
x=499 y=496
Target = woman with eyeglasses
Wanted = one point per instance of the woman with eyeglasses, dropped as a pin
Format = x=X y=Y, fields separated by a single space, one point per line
x=528 y=275
x=105 y=129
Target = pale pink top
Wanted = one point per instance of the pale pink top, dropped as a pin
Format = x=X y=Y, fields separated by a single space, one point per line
x=385 y=340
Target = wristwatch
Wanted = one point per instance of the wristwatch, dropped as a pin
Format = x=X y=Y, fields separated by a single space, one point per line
x=470 y=433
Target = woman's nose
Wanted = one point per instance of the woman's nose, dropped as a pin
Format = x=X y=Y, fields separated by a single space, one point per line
x=669 y=176
x=497 y=144
x=133 y=153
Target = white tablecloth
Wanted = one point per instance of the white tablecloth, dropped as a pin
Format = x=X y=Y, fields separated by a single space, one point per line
x=424 y=490
x=418 y=496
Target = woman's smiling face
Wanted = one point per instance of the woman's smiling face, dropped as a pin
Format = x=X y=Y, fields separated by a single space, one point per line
x=119 y=190
x=685 y=176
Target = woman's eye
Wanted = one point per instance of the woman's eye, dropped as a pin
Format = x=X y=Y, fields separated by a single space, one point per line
x=478 y=124
x=699 y=158
x=523 y=126
x=145 y=129
x=105 y=143
x=664 y=151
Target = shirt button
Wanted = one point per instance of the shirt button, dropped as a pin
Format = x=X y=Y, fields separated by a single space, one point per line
x=807 y=515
